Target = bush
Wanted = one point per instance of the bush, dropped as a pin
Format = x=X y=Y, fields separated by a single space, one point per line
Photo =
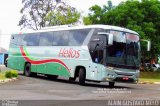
x=1 y=76
x=14 y=73
x=11 y=74
x=8 y=74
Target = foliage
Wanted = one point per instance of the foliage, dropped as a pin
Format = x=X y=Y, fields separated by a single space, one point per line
x=11 y=74
x=60 y=17
x=1 y=76
x=149 y=77
x=153 y=75
x=96 y=15
x=14 y=73
x=140 y=16
x=8 y=74
x=87 y=21
x=41 y=13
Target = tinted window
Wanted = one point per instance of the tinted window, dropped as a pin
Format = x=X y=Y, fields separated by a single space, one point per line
x=46 y=39
x=31 y=39
x=56 y=38
x=14 y=39
x=21 y=41
x=70 y=37
x=60 y=38
x=76 y=37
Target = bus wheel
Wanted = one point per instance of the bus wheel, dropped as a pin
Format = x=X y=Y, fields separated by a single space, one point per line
x=82 y=76
x=27 y=70
x=111 y=84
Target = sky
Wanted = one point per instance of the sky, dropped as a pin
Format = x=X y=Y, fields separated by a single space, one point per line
x=84 y=5
x=10 y=15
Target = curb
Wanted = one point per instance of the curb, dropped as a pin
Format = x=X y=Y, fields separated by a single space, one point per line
x=156 y=82
x=147 y=82
x=8 y=80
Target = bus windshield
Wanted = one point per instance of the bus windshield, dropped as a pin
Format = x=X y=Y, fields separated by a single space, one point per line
x=125 y=51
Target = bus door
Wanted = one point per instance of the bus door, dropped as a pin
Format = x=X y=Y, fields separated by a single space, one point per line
x=97 y=47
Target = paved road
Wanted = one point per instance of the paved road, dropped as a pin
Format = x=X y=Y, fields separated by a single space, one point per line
x=42 y=88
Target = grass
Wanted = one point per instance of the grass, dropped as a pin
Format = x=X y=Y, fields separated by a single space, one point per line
x=8 y=74
x=2 y=76
x=149 y=80
x=150 y=76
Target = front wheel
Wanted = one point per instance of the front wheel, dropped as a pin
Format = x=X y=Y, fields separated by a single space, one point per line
x=111 y=84
x=82 y=76
x=27 y=70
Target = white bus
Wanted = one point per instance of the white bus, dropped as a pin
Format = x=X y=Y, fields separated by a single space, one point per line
x=90 y=53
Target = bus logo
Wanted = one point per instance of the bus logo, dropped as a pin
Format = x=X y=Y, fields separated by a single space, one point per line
x=69 y=53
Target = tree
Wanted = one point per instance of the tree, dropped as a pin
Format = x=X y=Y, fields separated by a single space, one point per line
x=87 y=21
x=61 y=17
x=39 y=13
x=96 y=15
x=140 y=16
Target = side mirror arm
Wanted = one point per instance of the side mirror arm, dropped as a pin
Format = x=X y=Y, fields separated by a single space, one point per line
x=110 y=37
x=148 y=44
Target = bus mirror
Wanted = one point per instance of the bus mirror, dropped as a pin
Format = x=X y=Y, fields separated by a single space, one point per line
x=110 y=39
x=148 y=45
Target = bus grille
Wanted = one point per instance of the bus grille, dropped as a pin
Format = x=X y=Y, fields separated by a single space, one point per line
x=123 y=73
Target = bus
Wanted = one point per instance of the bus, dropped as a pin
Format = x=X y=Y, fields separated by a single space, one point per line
x=98 y=53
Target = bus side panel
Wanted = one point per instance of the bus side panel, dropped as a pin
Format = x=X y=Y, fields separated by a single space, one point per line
x=93 y=70
x=15 y=59
x=53 y=69
x=20 y=61
x=11 y=62
x=44 y=60
x=12 y=59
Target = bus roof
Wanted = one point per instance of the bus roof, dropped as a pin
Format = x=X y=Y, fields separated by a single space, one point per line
x=67 y=27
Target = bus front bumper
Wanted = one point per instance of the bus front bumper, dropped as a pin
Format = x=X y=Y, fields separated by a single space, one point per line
x=128 y=78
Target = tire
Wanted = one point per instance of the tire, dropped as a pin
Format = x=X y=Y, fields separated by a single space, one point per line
x=27 y=70
x=111 y=84
x=82 y=76
x=5 y=63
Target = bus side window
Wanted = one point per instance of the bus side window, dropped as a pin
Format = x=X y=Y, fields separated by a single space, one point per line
x=46 y=39
x=13 y=40
x=60 y=38
x=97 y=56
x=77 y=37
x=21 y=41
x=32 y=39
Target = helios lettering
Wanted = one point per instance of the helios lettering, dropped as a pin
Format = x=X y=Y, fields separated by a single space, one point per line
x=69 y=53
